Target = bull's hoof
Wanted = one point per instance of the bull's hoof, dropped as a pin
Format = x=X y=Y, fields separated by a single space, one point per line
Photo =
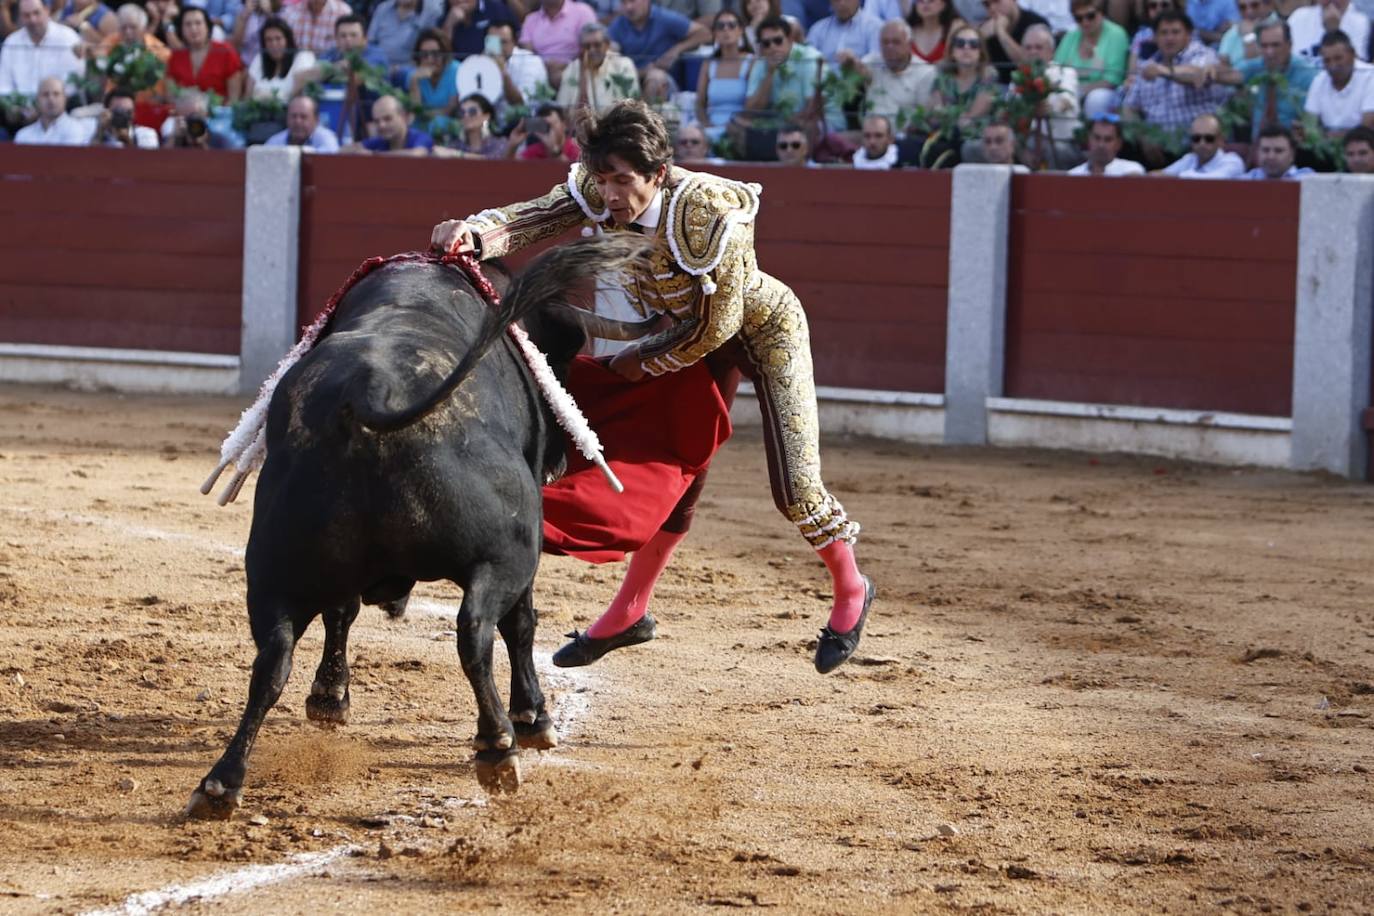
x=326 y=710
x=212 y=801
x=396 y=609
x=538 y=735
x=500 y=775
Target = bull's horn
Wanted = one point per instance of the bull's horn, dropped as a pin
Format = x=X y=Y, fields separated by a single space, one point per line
x=594 y=325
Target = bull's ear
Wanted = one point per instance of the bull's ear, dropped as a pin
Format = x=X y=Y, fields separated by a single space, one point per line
x=598 y=326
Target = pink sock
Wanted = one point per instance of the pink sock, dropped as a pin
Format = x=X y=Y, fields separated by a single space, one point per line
x=632 y=601
x=848 y=585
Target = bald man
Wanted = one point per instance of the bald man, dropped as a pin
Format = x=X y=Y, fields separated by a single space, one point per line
x=392 y=133
x=54 y=126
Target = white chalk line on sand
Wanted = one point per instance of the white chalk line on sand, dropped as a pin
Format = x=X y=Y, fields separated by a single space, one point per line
x=233 y=882
x=573 y=705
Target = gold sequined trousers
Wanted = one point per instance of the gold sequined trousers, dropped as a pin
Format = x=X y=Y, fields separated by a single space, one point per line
x=778 y=345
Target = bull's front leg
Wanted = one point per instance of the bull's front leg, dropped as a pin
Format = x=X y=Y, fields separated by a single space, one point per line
x=327 y=704
x=533 y=727
x=485 y=600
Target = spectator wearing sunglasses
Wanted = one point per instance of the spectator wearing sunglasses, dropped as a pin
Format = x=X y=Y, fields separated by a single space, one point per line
x=1211 y=18
x=722 y=83
x=434 y=82
x=1104 y=150
x=1003 y=30
x=599 y=77
x=691 y=146
x=475 y=139
x=1310 y=24
x=1275 y=153
x=1097 y=51
x=794 y=87
x=966 y=81
x=793 y=147
x=1241 y=41
x=1174 y=86
x=1207 y=159
x=1279 y=99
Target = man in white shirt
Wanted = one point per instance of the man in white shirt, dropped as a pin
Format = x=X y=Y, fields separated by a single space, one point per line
x=850 y=29
x=879 y=150
x=522 y=71
x=896 y=80
x=54 y=126
x=1104 y=143
x=1309 y=23
x=1342 y=95
x=40 y=49
x=303 y=128
x=1208 y=159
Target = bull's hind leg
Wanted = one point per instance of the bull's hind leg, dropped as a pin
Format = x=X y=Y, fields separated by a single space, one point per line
x=533 y=727
x=327 y=704
x=489 y=595
x=276 y=628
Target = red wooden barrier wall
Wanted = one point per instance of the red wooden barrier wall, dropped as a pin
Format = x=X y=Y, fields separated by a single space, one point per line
x=1154 y=293
x=867 y=253
x=150 y=259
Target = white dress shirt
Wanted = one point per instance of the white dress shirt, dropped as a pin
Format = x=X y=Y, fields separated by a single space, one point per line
x=23 y=64
x=1346 y=108
x=63 y=131
x=1222 y=165
x=1114 y=169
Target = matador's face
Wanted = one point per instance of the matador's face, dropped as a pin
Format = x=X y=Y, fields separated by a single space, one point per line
x=627 y=193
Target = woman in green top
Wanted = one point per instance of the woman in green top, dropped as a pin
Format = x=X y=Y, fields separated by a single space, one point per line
x=1098 y=49
x=966 y=81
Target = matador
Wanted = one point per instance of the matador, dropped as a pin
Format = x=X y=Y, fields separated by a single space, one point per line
x=702 y=272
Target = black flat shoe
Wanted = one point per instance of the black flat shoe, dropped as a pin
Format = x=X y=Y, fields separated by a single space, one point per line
x=834 y=648
x=584 y=649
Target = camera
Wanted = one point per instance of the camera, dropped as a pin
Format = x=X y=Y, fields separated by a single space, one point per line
x=196 y=127
x=492 y=46
x=538 y=126
x=121 y=119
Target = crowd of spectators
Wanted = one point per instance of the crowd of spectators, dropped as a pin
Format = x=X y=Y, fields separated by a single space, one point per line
x=1254 y=89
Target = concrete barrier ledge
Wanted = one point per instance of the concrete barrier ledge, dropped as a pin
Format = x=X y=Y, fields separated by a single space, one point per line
x=1211 y=437
x=143 y=371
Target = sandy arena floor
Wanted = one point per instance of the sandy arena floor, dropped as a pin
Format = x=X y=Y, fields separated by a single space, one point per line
x=1089 y=685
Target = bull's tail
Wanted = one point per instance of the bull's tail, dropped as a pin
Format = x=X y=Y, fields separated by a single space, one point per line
x=546 y=282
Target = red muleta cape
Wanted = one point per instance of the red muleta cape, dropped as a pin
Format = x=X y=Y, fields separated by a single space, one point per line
x=658 y=434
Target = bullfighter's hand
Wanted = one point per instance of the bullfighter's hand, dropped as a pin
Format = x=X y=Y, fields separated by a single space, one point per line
x=452 y=235
x=626 y=364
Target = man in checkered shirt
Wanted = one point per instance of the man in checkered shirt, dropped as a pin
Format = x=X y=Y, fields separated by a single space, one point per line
x=1175 y=86
x=312 y=22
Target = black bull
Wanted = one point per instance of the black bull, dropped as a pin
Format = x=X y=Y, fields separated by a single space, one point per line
x=383 y=470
